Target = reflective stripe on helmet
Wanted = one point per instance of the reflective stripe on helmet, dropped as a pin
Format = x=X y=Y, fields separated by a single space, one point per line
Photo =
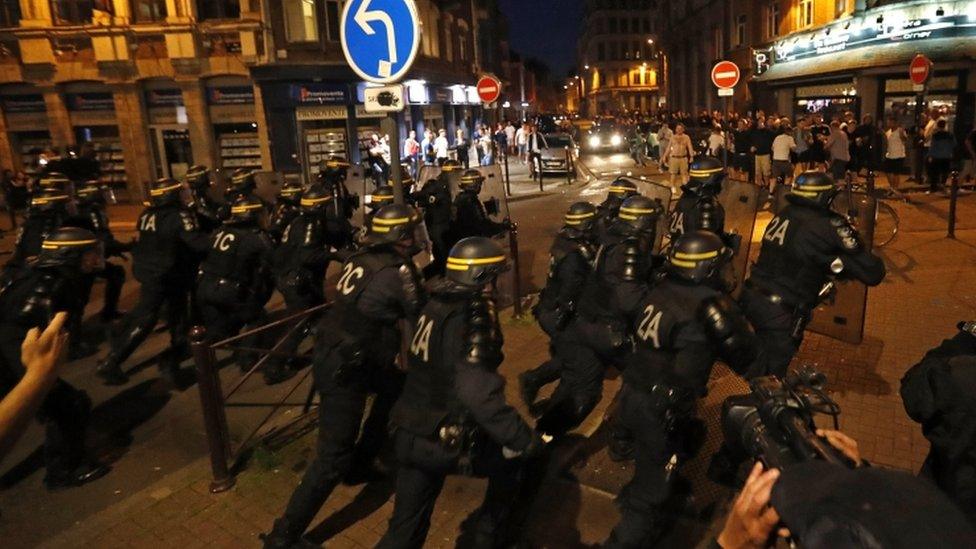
x=696 y=257
x=164 y=190
x=459 y=264
x=245 y=208
x=621 y=190
x=395 y=221
x=314 y=201
x=637 y=211
x=685 y=264
x=293 y=190
x=704 y=173
x=336 y=164
x=55 y=244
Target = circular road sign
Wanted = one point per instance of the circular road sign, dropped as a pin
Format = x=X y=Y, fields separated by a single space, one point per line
x=920 y=69
x=489 y=89
x=380 y=39
x=725 y=74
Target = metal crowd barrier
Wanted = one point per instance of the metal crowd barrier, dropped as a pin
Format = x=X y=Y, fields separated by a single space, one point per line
x=223 y=457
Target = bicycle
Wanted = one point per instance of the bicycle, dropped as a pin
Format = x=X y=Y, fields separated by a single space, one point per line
x=886 y=219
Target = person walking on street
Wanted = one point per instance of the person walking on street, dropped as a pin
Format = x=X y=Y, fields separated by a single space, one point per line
x=441 y=147
x=677 y=157
x=896 y=150
x=942 y=150
x=463 y=148
x=664 y=135
x=411 y=150
x=783 y=147
x=761 y=144
x=510 y=133
x=838 y=146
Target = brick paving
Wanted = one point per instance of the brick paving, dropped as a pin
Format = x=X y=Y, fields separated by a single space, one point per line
x=928 y=289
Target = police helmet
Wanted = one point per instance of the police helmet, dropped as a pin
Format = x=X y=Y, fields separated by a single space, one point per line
x=406 y=179
x=475 y=262
x=91 y=192
x=49 y=200
x=333 y=167
x=55 y=180
x=814 y=186
x=581 y=217
x=245 y=209
x=382 y=196
x=697 y=256
x=242 y=181
x=66 y=246
x=316 y=199
x=622 y=188
x=290 y=192
x=472 y=180
x=165 y=191
x=640 y=212
x=706 y=175
x=450 y=165
x=198 y=177
x=393 y=223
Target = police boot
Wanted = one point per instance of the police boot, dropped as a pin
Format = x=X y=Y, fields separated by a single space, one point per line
x=277 y=372
x=111 y=372
x=281 y=537
x=110 y=369
x=80 y=475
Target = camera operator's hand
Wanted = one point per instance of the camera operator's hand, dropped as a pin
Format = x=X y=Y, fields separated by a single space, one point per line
x=844 y=443
x=42 y=352
x=751 y=520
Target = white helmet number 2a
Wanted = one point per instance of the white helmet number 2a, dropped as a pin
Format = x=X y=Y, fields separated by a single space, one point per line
x=350 y=275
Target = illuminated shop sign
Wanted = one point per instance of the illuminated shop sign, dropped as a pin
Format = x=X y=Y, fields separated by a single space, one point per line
x=230 y=95
x=321 y=94
x=877 y=27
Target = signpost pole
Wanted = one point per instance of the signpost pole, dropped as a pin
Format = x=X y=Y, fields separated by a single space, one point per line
x=726 y=133
x=391 y=128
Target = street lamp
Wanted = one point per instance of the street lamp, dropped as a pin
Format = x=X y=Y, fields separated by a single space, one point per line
x=650 y=41
x=587 y=67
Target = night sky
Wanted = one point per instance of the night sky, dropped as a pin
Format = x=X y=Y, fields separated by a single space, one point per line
x=545 y=29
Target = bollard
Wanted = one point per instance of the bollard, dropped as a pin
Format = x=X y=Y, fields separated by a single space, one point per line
x=953 y=199
x=870 y=182
x=212 y=404
x=537 y=162
x=516 y=269
x=569 y=180
x=508 y=179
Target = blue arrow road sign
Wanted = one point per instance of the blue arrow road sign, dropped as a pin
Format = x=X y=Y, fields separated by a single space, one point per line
x=380 y=38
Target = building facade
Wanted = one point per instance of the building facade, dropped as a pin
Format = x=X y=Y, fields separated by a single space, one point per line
x=159 y=85
x=824 y=56
x=619 y=63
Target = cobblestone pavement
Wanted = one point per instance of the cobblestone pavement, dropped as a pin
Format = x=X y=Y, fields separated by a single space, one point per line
x=928 y=289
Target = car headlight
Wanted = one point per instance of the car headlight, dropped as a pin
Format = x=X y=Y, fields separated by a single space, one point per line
x=615 y=140
x=594 y=141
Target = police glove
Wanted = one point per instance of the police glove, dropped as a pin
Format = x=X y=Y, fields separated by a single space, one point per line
x=535 y=448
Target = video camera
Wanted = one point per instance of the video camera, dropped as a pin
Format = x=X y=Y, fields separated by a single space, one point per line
x=775 y=422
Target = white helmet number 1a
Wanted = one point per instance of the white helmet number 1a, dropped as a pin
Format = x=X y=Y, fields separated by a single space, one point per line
x=350 y=275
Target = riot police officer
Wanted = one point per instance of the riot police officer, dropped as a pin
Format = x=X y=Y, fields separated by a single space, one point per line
x=803 y=248
x=452 y=417
x=29 y=298
x=620 y=190
x=470 y=217
x=382 y=196
x=680 y=326
x=357 y=344
x=207 y=209
x=163 y=260
x=597 y=337
x=699 y=208
x=235 y=281
x=434 y=198
x=332 y=175
x=92 y=216
x=286 y=208
x=242 y=183
x=570 y=264
x=49 y=207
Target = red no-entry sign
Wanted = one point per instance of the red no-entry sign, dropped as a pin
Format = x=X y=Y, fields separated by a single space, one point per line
x=920 y=69
x=489 y=89
x=725 y=74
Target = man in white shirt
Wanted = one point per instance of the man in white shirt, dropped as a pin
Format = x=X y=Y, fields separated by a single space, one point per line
x=441 y=147
x=520 y=140
x=783 y=146
x=510 y=135
x=533 y=148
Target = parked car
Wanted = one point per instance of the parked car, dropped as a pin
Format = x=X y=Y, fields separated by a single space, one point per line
x=554 y=153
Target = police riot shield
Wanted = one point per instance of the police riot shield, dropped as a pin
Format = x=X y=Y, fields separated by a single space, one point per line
x=662 y=193
x=360 y=188
x=740 y=199
x=841 y=316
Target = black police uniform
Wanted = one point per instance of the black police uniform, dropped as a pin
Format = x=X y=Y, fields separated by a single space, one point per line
x=163 y=260
x=695 y=212
x=358 y=341
x=40 y=222
x=235 y=280
x=680 y=328
x=206 y=208
x=798 y=248
x=435 y=201
x=29 y=298
x=340 y=211
x=571 y=260
x=453 y=418
x=597 y=337
x=471 y=219
x=92 y=216
x=283 y=213
x=940 y=393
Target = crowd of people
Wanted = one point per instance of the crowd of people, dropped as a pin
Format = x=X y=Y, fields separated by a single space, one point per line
x=662 y=316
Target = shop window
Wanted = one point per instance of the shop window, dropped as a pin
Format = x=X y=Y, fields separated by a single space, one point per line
x=771 y=28
x=77 y=12
x=301 y=24
x=332 y=13
x=218 y=9
x=740 y=29
x=144 y=11
x=9 y=13
x=601 y=52
x=804 y=14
